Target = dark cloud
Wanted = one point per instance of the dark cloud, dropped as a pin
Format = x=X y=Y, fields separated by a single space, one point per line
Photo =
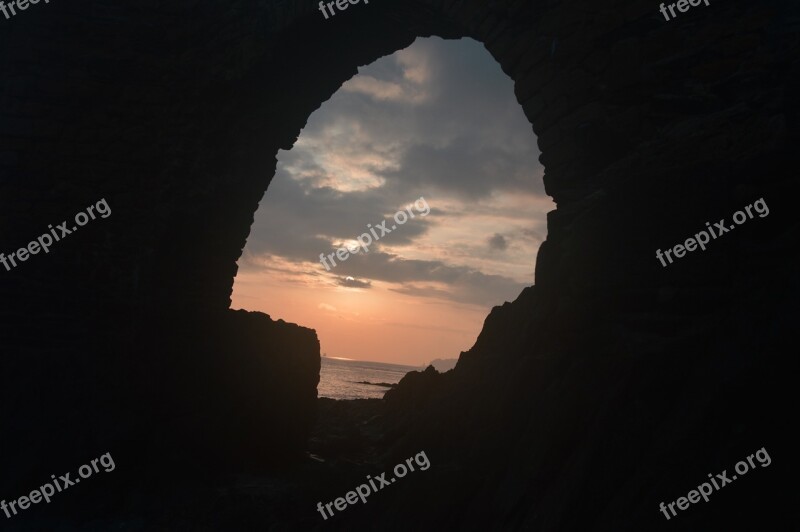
x=467 y=167
x=475 y=289
x=467 y=284
x=498 y=242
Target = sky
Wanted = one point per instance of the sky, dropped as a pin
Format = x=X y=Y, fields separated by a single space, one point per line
x=434 y=128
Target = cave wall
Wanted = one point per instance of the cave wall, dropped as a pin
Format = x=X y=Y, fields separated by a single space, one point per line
x=174 y=114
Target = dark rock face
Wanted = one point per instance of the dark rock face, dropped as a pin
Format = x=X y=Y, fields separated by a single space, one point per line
x=414 y=392
x=611 y=386
x=269 y=371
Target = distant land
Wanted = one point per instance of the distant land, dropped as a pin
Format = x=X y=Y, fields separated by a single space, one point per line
x=442 y=364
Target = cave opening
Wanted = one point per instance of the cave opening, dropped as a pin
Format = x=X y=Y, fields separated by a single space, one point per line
x=411 y=203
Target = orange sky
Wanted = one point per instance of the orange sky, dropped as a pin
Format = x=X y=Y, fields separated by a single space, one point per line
x=437 y=120
x=373 y=324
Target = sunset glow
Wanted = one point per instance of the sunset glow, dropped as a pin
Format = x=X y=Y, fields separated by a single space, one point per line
x=437 y=120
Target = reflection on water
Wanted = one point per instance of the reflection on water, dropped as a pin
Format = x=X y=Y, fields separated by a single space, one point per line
x=341 y=379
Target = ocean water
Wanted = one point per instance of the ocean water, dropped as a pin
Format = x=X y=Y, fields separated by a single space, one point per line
x=341 y=379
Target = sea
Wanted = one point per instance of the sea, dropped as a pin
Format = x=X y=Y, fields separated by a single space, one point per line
x=344 y=379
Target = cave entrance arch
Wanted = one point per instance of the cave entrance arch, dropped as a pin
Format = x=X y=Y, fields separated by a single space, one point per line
x=437 y=119
x=312 y=71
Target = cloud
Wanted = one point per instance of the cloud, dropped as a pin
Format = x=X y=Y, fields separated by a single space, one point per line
x=404 y=79
x=474 y=288
x=498 y=242
x=325 y=306
x=439 y=120
x=384 y=90
x=464 y=284
x=350 y=282
x=299 y=221
x=467 y=167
